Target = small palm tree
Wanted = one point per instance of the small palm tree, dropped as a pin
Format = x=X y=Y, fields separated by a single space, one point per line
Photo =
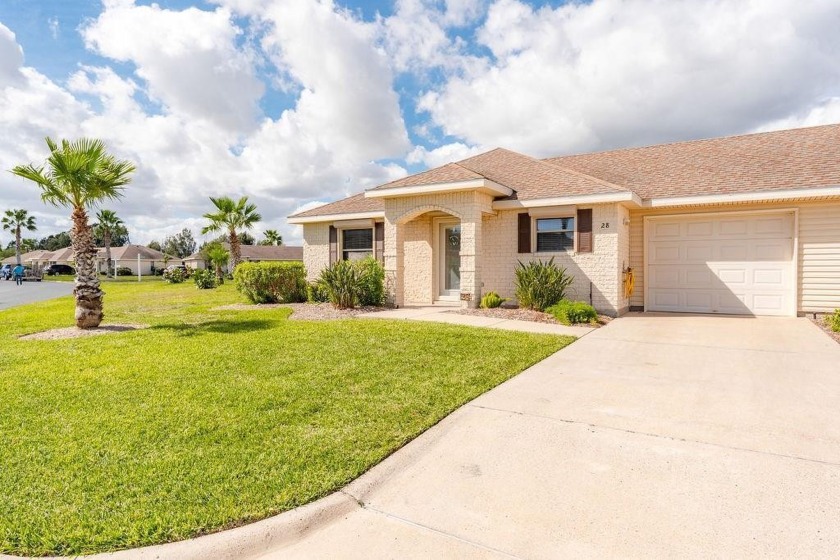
x=218 y=257
x=272 y=237
x=109 y=224
x=79 y=175
x=232 y=216
x=16 y=221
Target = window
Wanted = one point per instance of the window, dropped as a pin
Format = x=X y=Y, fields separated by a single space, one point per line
x=356 y=244
x=555 y=234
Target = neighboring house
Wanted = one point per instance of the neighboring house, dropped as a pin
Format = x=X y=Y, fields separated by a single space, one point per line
x=252 y=253
x=127 y=256
x=740 y=225
x=36 y=259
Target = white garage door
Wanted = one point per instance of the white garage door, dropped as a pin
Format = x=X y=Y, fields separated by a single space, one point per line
x=738 y=264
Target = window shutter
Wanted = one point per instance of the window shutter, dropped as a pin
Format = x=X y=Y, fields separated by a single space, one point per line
x=524 y=233
x=333 y=245
x=379 y=241
x=584 y=221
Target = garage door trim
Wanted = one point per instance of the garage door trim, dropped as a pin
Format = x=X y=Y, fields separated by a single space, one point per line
x=794 y=306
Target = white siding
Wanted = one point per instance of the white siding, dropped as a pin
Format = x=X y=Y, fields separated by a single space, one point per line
x=818 y=263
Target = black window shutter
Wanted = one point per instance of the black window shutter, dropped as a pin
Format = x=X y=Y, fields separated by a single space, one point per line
x=524 y=233
x=379 y=241
x=584 y=221
x=333 y=245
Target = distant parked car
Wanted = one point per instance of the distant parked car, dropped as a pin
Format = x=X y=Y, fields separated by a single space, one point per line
x=53 y=269
x=5 y=271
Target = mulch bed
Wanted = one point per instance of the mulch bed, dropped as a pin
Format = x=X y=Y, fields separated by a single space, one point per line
x=306 y=311
x=76 y=332
x=519 y=314
x=819 y=320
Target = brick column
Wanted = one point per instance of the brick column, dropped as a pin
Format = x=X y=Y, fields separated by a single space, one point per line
x=393 y=255
x=471 y=259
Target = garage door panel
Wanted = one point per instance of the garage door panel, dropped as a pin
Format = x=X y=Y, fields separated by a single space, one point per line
x=739 y=264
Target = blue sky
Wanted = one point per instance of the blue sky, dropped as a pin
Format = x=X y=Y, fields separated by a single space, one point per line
x=299 y=102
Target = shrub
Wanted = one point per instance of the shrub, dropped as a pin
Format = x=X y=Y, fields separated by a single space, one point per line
x=316 y=293
x=271 y=282
x=491 y=300
x=833 y=320
x=573 y=312
x=349 y=284
x=371 y=277
x=174 y=275
x=541 y=284
x=204 y=279
x=124 y=271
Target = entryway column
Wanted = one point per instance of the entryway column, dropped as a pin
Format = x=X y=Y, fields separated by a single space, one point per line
x=471 y=260
x=394 y=266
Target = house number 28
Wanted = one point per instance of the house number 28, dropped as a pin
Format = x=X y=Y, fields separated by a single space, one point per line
x=605 y=225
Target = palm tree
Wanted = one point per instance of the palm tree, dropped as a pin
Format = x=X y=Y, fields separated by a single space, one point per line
x=272 y=237
x=218 y=257
x=15 y=221
x=79 y=175
x=109 y=223
x=232 y=216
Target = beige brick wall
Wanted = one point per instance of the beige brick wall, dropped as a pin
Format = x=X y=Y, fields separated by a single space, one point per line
x=418 y=266
x=316 y=249
x=602 y=267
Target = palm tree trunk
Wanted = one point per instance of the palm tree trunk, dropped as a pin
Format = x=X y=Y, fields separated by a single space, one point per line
x=106 y=238
x=17 y=244
x=220 y=276
x=234 y=249
x=88 y=295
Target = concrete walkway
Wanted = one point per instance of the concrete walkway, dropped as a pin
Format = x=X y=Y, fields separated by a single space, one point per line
x=653 y=437
x=441 y=314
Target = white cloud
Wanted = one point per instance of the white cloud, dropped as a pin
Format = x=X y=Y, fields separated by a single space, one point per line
x=827 y=112
x=193 y=65
x=616 y=73
x=442 y=155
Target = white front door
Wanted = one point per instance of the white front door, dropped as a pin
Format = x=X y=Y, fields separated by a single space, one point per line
x=737 y=264
x=449 y=261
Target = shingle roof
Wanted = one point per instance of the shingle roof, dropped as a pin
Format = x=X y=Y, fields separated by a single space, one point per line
x=449 y=173
x=131 y=252
x=37 y=254
x=532 y=178
x=350 y=205
x=768 y=161
x=261 y=253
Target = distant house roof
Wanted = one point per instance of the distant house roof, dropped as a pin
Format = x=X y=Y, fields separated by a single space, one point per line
x=260 y=253
x=131 y=252
x=29 y=256
x=764 y=162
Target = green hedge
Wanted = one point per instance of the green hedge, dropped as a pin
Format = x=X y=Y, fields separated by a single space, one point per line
x=271 y=282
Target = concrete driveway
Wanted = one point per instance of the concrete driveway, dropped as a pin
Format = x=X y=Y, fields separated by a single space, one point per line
x=12 y=295
x=654 y=437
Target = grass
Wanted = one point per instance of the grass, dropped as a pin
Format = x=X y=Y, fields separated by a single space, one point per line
x=211 y=419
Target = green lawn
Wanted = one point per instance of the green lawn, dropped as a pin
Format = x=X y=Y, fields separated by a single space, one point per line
x=211 y=419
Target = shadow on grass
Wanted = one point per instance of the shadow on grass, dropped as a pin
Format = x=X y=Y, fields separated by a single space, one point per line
x=217 y=326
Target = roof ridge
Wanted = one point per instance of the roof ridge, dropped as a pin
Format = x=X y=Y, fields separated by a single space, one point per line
x=695 y=141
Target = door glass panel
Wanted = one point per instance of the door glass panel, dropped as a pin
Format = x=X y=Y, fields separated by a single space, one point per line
x=452 y=257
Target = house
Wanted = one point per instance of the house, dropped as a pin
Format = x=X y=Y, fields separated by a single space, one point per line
x=134 y=257
x=737 y=225
x=36 y=259
x=252 y=253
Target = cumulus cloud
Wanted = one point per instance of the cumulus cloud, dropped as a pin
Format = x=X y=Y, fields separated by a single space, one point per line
x=628 y=72
x=193 y=66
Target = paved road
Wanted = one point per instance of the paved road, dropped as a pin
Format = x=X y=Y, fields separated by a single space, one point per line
x=12 y=295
